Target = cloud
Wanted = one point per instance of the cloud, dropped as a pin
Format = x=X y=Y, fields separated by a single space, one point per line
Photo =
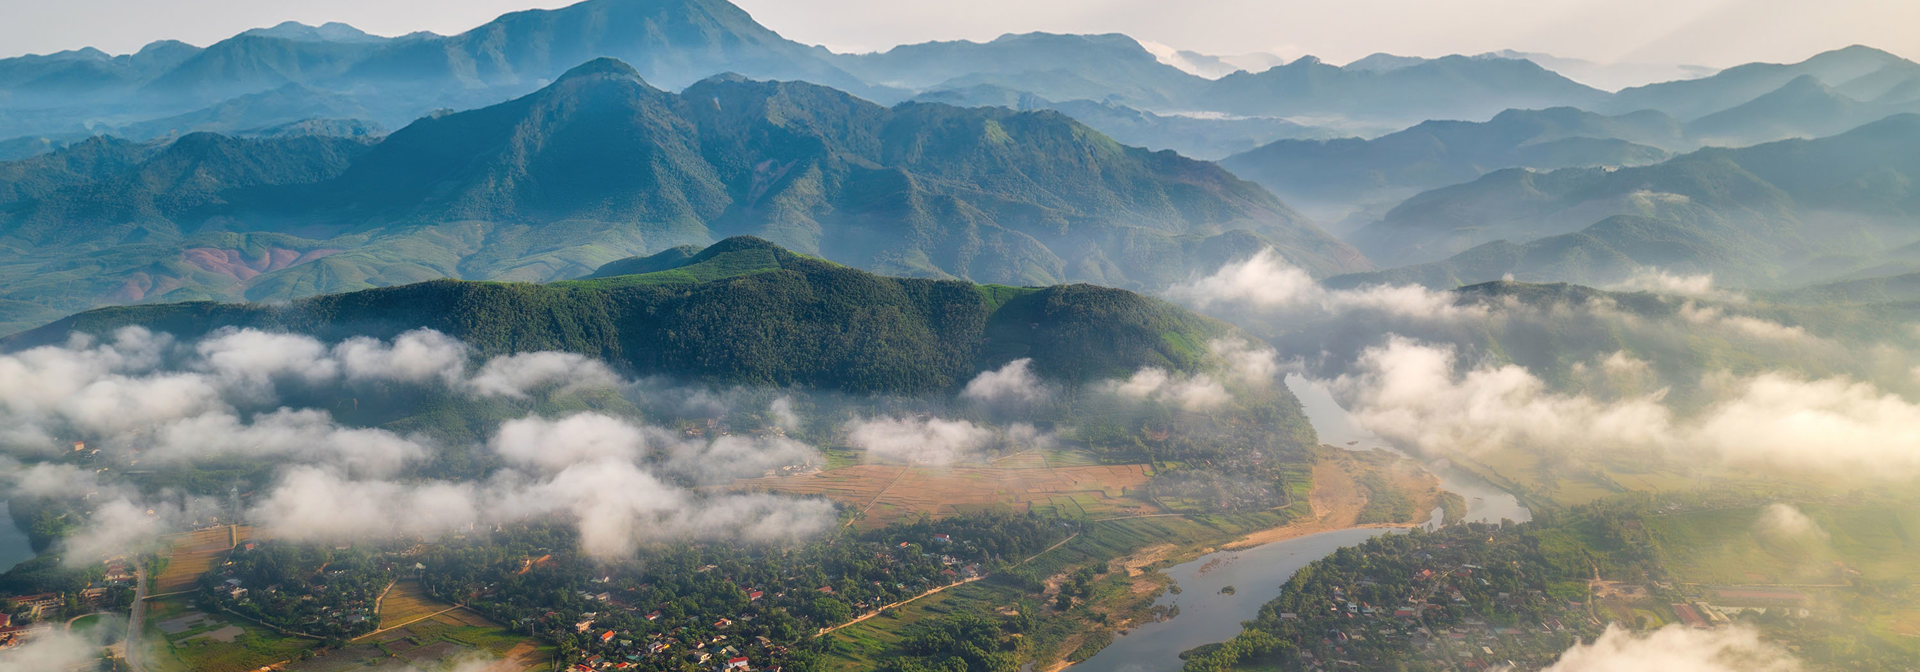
x=250 y=359
x=312 y=504
x=50 y=649
x=1010 y=385
x=1660 y=281
x=1198 y=392
x=305 y=435
x=143 y=397
x=1266 y=283
x=784 y=417
x=926 y=441
x=1753 y=327
x=1408 y=391
x=125 y=525
x=518 y=376
x=1677 y=649
x=1787 y=522
x=1248 y=363
x=417 y=356
x=1834 y=425
x=615 y=505
x=1420 y=395
x=726 y=458
x=553 y=445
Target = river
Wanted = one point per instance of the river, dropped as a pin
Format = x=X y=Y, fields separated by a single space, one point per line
x=1207 y=615
x=14 y=547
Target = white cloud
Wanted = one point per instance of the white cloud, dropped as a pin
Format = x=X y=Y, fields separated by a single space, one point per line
x=557 y=444
x=303 y=435
x=926 y=441
x=1248 y=363
x=1787 y=522
x=1013 y=384
x=1659 y=281
x=417 y=356
x=1754 y=327
x=1833 y=425
x=1266 y=283
x=517 y=376
x=1409 y=392
x=50 y=650
x=1420 y=395
x=1198 y=392
x=1677 y=649
x=250 y=359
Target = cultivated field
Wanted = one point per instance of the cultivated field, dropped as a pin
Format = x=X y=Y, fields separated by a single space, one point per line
x=1022 y=482
x=189 y=640
x=443 y=641
x=194 y=553
x=406 y=603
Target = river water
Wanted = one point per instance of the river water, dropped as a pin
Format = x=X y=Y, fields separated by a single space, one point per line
x=1256 y=574
x=14 y=547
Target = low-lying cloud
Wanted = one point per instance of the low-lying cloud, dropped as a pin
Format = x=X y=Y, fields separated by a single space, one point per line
x=1012 y=385
x=924 y=441
x=1266 y=283
x=50 y=650
x=1678 y=649
x=1420 y=395
x=613 y=480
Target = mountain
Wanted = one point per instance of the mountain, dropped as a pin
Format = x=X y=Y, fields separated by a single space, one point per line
x=1060 y=67
x=1771 y=215
x=673 y=43
x=1207 y=137
x=600 y=165
x=294 y=72
x=327 y=32
x=1609 y=76
x=1692 y=99
x=1804 y=107
x=1454 y=87
x=741 y=311
x=1439 y=153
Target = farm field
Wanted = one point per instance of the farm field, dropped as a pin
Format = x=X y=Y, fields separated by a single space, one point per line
x=406 y=602
x=1029 y=481
x=441 y=642
x=186 y=639
x=194 y=553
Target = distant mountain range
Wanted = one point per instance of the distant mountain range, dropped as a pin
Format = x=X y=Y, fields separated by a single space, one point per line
x=1351 y=171
x=1772 y=215
x=601 y=165
x=741 y=311
x=1147 y=94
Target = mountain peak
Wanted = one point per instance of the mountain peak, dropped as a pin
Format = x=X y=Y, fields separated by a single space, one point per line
x=603 y=66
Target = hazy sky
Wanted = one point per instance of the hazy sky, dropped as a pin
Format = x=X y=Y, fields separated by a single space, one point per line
x=1705 y=32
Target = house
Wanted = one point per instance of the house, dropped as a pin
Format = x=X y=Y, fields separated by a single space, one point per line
x=755 y=595
x=606 y=636
x=942 y=538
x=722 y=623
x=736 y=663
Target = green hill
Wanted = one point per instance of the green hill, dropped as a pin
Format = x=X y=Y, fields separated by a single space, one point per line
x=601 y=166
x=743 y=311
